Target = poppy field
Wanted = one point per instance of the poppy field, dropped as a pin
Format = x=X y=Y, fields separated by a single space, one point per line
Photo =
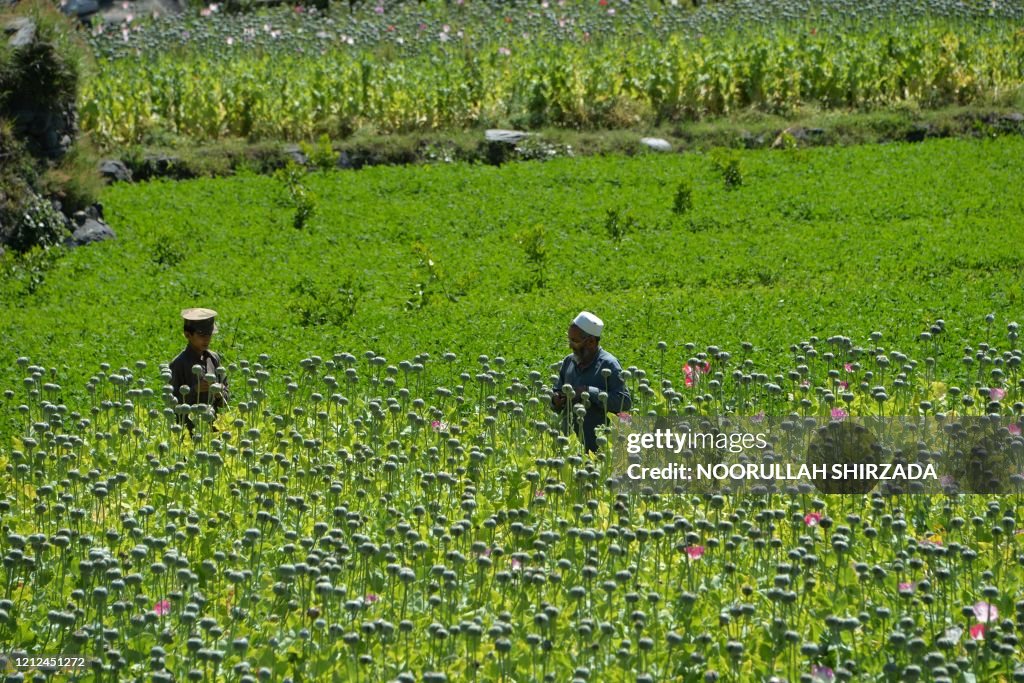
x=296 y=73
x=356 y=519
x=387 y=497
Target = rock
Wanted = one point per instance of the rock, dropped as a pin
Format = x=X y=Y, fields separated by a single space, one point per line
x=499 y=135
x=43 y=113
x=751 y=141
x=345 y=161
x=657 y=144
x=88 y=230
x=115 y=171
x=160 y=166
x=1014 y=117
x=22 y=32
x=918 y=132
x=798 y=134
x=80 y=8
x=296 y=154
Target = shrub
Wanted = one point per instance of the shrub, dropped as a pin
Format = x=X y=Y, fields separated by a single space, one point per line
x=74 y=181
x=683 y=201
x=728 y=164
x=321 y=154
x=66 y=56
x=534 y=243
x=26 y=219
x=617 y=225
x=299 y=196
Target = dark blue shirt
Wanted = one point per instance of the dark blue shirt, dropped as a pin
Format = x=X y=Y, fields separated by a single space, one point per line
x=594 y=381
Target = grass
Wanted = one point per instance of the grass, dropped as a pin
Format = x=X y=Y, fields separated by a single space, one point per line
x=813 y=241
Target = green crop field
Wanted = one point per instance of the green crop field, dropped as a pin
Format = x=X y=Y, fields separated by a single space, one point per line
x=297 y=73
x=484 y=260
x=387 y=497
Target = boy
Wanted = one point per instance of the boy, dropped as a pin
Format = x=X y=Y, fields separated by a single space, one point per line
x=200 y=326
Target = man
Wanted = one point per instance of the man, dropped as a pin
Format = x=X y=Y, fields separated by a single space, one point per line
x=590 y=370
x=200 y=325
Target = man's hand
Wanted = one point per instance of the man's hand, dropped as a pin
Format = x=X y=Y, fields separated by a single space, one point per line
x=557 y=400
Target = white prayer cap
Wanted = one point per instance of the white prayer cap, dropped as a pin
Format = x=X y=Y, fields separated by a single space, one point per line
x=589 y=323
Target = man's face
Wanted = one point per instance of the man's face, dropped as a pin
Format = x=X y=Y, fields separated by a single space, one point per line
x=581 y=344
x=198 y=341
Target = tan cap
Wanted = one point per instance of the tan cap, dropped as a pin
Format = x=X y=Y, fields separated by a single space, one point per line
x=201 y=319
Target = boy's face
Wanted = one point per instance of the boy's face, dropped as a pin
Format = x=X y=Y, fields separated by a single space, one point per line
x=198 y=341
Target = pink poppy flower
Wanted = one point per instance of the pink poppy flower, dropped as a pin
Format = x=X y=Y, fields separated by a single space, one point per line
x=844 y=385
x=692 y=374
x=625 y=418
x=997 y=394
x=812 y=518
x=839 y=414
x=759 y=417
x=371 y=598
x=1014 y=428
x=695 y=551
x=163 y=607
x=848 y=367
x=438 y=426
x=517 y=565
x=978 y=632
x=985 y=612
x=378 y=9
x=822 y=674
x=906 y=586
